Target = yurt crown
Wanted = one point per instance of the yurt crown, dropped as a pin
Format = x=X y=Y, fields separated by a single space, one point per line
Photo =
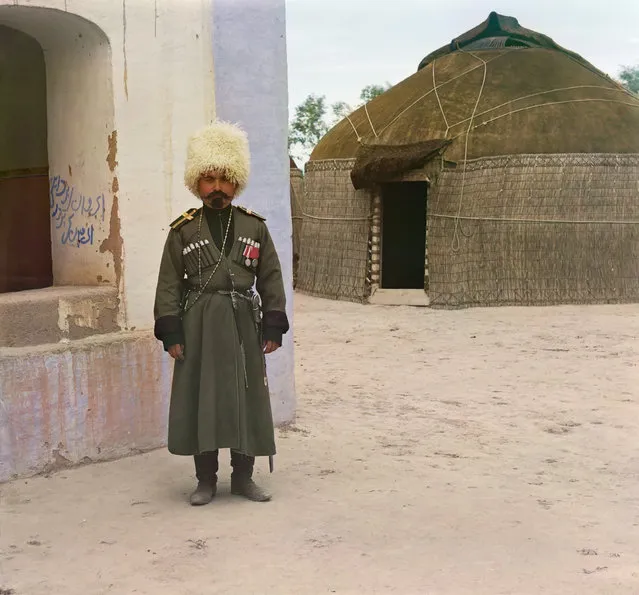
x=496 y=32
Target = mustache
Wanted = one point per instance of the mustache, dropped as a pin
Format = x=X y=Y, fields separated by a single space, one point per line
x=217 y=198
x=217 y=194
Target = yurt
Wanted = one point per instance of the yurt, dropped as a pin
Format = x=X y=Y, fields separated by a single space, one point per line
x=505 y=171
x=297 y=198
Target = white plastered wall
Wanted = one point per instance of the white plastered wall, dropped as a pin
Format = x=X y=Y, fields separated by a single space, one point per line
x=127 y=82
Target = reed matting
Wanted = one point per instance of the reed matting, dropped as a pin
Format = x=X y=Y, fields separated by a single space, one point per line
x=535 y=230
x=334 y=251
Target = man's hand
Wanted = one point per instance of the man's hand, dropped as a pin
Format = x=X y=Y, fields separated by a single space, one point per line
x=270 y=347
x=177 y=352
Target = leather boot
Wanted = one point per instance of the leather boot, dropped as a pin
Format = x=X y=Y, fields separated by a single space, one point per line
x=204 y=493
x=206 y=467
x=242 y=483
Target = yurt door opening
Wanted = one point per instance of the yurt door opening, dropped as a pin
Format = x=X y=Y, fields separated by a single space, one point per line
x=403 y=241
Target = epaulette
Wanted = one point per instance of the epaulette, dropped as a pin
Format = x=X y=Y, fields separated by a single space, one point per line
x=183 y=218
x=249 y=212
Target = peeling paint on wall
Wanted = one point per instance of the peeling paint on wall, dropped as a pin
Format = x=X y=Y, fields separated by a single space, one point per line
x=57 y=313
x=113 y=150
x=78 y=319
x=114 y=242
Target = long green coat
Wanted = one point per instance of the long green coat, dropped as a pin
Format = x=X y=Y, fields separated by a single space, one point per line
x=219 y=396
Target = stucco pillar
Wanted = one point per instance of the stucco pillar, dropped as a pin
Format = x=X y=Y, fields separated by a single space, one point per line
x=251 y=89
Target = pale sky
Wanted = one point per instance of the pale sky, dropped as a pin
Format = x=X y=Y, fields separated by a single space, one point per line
x=337 y=47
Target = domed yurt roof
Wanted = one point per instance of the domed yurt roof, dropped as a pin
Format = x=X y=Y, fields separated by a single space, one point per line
x=499 y=89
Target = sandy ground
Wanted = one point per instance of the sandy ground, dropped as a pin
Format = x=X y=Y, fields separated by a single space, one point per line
x=484 y=451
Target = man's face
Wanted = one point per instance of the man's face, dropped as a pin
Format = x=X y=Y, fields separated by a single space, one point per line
x=216 y=191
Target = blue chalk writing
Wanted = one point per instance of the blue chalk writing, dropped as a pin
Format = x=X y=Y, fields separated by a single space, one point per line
x=74 y=213
x=76 y=235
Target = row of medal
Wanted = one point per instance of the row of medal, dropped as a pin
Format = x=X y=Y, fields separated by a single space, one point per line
x=251 y=252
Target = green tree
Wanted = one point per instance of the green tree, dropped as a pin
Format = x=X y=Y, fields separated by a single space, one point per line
x=371 y=91
x=312 y=119
x=629 y=76
x=309 y=124
x=340 y=110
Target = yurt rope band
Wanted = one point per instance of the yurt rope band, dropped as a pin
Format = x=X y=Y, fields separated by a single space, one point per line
x=369 y=121
x=359 y=138
x=307 y=216
x=523 y=109
x=439 y=102
x=456 y=243
x=438 y=87
x=492 y=109
x=520 y=220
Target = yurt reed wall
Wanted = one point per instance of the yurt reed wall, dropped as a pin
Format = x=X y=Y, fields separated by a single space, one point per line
x=297 y=210
x=535 y=230
x=334 y=252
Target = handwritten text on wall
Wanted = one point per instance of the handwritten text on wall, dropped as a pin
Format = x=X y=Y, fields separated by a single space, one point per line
x=74 y=214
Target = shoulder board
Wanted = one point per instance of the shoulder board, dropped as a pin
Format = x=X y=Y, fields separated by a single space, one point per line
x=183 y=218
x=252 y=213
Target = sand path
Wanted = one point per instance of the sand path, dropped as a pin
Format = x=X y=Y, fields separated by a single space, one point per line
x=485 y=451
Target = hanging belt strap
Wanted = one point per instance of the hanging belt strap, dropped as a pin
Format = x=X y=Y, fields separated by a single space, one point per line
x=254 y=300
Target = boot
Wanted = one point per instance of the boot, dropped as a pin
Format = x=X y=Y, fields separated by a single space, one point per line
x=206 y=467
x=204 y=493
x=242 y=483
x=246 y=487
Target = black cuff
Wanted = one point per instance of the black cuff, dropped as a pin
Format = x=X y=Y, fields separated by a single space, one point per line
x=277 y=320
x=168 y=329
x=172 y=339
x=272 y=333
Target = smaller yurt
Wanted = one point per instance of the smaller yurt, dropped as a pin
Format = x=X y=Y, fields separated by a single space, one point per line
x=297 y=200
x=503 y=172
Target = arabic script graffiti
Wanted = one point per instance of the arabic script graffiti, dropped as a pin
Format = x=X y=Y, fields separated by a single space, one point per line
x=74 y=214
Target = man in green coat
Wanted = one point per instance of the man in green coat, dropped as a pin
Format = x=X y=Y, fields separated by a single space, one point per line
x=213 y=322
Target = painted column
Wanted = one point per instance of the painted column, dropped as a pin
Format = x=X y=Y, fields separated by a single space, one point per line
x=251 y=89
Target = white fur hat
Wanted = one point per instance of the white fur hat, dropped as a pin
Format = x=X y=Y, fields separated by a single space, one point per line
x=220 y=147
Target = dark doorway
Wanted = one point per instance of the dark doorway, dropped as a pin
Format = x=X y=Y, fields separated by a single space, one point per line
x=403 y=235
x=25 y=220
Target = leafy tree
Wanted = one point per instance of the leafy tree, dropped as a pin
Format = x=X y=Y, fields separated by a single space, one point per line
x=371 y=91
x=629 y=76
x=312 y=119
x=340 y=110
x=308 y=125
